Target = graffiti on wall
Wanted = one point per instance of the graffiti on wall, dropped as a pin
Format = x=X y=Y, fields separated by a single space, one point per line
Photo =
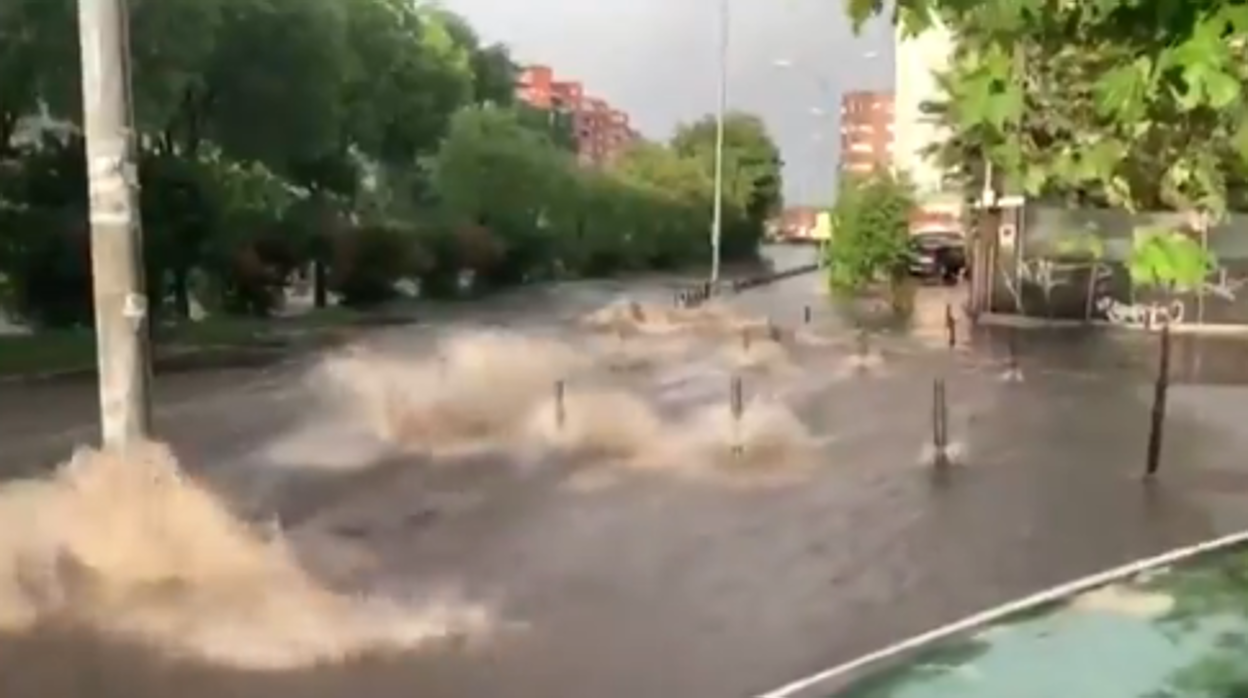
x=1058 y=287
x=1220 y=284
x=1141 y=315
x=1088 y=290
x=1049 y=285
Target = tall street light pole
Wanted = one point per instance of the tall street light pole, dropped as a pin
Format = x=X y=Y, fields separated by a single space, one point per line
x=721 y=112
x=121 y=313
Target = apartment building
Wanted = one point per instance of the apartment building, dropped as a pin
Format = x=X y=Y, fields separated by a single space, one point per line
x=535 y=86
x=918 y=60
x=602 y=132
x=866 y=131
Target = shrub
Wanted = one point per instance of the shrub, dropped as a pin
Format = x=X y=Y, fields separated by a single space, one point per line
x=871 y=231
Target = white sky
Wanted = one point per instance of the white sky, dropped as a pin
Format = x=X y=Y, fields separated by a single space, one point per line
x=657 y=60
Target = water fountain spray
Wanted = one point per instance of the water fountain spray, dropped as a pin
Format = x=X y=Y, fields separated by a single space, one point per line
x=561 y=408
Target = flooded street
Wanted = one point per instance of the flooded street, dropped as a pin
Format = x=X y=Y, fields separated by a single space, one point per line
x=603 y=539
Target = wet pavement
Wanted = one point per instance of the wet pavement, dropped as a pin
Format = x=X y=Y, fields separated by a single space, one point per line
x=645 y=584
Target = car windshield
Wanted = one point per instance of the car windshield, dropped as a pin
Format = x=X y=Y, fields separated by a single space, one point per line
x=1172 y=633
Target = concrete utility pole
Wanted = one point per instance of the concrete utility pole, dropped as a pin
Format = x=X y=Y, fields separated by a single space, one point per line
x=721 y=112
x=121 y=311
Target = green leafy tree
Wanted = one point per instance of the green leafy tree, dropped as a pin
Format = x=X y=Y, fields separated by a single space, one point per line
x=37 y=53
x=753 y=180
x=870 y=231
x=558 y=125
x=680 y=194
x=1153 y=94
x=371 y=139
x=1168 y=261
x=494 y=171
x=494 y=72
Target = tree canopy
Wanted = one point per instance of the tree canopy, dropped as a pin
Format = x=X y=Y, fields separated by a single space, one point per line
x=1142 y=98
x=371 y=141
x=752 y=173
x=1131 y=104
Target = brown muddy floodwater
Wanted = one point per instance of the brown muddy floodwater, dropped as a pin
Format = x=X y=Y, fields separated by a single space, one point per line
x=454 y=525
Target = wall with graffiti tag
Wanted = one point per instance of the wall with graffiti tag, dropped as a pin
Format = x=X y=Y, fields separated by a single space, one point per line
x=1071 y=264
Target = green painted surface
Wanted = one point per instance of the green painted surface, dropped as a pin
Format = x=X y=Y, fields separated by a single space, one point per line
x=1182 y=633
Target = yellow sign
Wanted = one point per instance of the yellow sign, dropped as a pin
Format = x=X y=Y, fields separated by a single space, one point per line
x=823 y=226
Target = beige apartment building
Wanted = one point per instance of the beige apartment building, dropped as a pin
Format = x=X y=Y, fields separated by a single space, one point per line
x=918 y=60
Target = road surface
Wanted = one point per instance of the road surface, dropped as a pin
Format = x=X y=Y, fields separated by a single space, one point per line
x=645 y=583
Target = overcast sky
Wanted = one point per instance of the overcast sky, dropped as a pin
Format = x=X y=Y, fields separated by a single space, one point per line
x=657 y=60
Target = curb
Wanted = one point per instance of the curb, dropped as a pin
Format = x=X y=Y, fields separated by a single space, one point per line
x=264 y=351
x=693 y=296
x=745 y=284
x=1024 y=322
x=207 y=359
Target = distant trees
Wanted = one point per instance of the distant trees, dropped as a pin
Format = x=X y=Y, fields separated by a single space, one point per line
x=371 y=141
x=752 y=174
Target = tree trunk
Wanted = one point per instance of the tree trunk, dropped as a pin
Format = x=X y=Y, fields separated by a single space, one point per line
x=1089 y=301
x=320 y=294
x=182 y=293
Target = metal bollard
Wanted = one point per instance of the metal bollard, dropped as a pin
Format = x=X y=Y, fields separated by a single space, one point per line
x=951 y=326
x=806 y=315
x=1013 y=368
x=863 y=343
x=746 y=339
x=1157 y=417
x=940 y=424
x=736 y=404
x=561 y=408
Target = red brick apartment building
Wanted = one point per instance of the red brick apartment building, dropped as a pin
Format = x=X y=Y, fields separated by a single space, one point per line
x=601 y=131
x=866 y=131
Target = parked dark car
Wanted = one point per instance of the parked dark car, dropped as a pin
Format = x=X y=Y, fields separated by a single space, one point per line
x=939 y=256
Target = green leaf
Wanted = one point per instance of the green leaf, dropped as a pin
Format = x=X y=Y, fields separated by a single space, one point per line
x=1169 y=259
x=1222 y=89
x=1121 y=93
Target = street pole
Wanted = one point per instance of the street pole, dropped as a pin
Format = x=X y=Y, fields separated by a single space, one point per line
x=121 y=311
x=717 y=217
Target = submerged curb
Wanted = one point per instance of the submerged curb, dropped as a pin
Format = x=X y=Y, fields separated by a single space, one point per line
x=1024 y=322
x=693 y=296
x=264 y=351
x=207 y=359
